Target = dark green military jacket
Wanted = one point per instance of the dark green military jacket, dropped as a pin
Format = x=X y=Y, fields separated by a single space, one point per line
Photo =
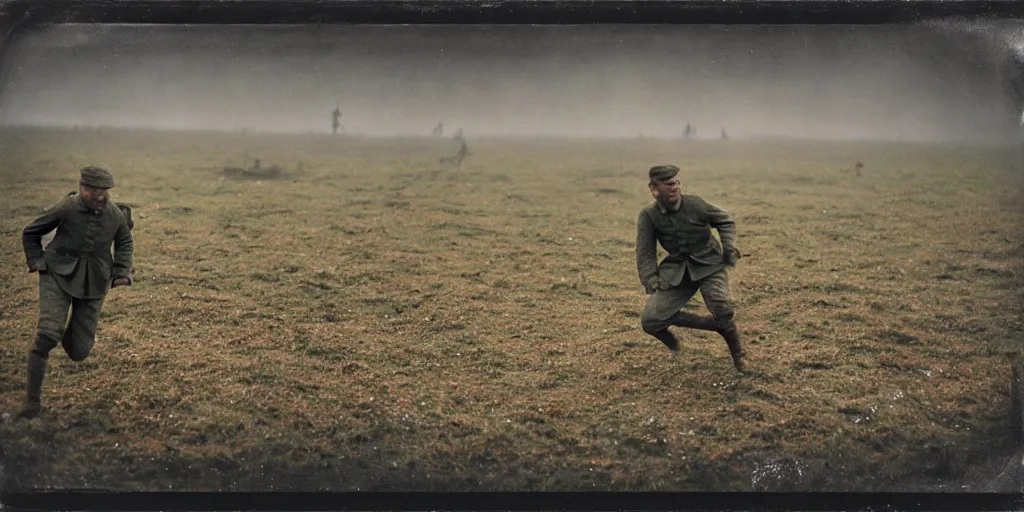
x=79 y=256
x=685 y=234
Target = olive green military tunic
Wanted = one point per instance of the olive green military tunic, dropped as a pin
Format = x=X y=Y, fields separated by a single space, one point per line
x=80 y=270
x=695 y=260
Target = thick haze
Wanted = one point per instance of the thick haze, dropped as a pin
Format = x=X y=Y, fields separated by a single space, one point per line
x=902 y=82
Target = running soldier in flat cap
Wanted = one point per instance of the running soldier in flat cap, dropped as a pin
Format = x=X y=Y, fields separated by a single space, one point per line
x=682 y=225
x=76 y=270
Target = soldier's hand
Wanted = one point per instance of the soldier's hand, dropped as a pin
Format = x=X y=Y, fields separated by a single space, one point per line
x=732 y=256
x=121 y=281
x=39 y=266
x=653 y=285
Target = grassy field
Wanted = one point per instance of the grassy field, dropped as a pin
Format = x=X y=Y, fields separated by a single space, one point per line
x=368 y=320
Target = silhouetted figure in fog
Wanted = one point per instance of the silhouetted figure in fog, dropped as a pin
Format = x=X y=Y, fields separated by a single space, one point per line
x=858 y=167
x=458 y=157
x=689 y=132
x=724 y=135
x=336 y=120
x=458 y=136
x=438 y=130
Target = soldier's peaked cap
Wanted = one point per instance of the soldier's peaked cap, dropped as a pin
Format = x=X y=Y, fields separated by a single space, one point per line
x=96 y=177
x=663 y=172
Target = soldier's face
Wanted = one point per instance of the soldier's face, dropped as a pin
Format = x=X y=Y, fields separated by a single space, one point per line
x=95 y=198
x=666 y=191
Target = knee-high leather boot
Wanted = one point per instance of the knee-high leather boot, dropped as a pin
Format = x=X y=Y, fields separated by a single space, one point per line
x=33 y=400
x=732 y=339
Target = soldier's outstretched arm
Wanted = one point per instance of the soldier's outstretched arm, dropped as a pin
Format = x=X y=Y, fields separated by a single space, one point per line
x=124 y=251
x=32 y=235
x=646 y=252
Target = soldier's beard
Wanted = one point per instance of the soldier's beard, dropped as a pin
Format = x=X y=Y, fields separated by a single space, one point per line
x=669 y=203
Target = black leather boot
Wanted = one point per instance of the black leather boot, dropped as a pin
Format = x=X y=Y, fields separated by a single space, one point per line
x=669 y=339
x=36 y=372
x=732 y=339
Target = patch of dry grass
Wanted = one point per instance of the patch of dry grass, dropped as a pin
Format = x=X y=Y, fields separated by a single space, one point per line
x=374 y=321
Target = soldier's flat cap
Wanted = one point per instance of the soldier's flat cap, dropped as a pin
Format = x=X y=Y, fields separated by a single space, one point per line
x=96 y=177
x=663 y=172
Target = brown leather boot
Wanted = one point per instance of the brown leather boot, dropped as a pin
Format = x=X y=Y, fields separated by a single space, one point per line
x=732 y=339
x=692 y=321
x=36 y=372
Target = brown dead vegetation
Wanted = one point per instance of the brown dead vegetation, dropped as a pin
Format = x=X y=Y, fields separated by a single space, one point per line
x=479 y=329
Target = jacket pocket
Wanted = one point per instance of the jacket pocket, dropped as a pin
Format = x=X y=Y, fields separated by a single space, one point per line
x=671 y=273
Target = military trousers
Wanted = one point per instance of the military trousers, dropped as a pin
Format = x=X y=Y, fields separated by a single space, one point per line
x=662 y=305
x=76 y=331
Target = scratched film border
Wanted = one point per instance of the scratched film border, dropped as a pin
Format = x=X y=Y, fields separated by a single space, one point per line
x=25 y=15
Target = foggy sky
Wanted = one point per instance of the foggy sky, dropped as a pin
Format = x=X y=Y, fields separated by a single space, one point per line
x=903 y=82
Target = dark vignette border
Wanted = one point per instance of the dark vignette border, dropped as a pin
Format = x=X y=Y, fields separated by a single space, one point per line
x=18 y=16
x=513 y=501
x=506 y=11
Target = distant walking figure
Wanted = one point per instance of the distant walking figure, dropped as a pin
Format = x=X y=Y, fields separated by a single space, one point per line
x=336 y=120
x=438 y=130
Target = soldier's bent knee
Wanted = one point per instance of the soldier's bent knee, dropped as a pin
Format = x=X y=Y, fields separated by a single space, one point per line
x=78 y=356
x=720 y=308
x=724 y=318
x=49 y=326
x=44 y=344
x=77 y=346
x=652 y=325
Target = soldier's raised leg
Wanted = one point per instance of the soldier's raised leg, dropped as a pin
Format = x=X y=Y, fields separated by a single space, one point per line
x=53 y=315
x=715 y=290
x=661 y=309
x=80 y=336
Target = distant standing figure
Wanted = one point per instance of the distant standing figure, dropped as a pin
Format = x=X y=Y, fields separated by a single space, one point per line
x=682 y=225
x=336 y=119
x=76 y=271
x=724 y=135
x=438 y=130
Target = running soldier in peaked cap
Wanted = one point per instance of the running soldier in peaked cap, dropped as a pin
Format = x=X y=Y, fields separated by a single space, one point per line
x=76 y=271
x=682 y=225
